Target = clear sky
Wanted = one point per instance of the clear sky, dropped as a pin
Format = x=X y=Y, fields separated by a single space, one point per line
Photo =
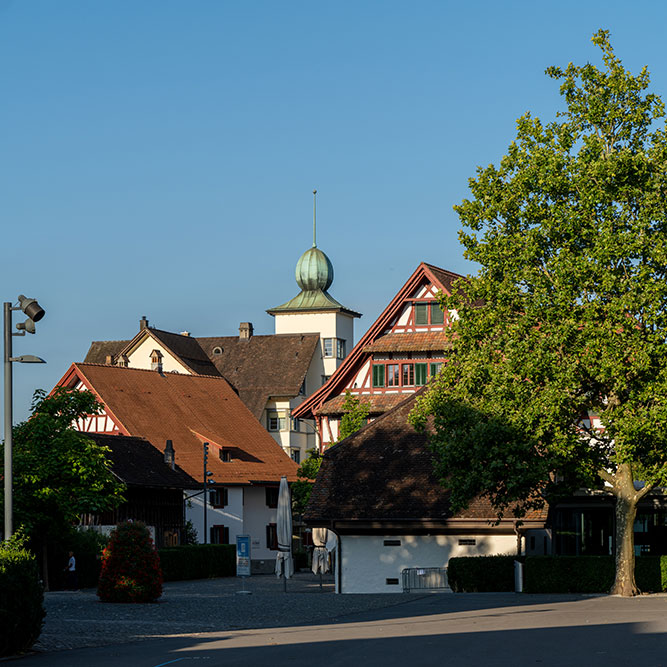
x=157 y=157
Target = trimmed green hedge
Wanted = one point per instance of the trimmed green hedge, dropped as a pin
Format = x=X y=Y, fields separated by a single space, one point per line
x=21 y=599
x=481 y=574
x=198 y=561
x=589 y=574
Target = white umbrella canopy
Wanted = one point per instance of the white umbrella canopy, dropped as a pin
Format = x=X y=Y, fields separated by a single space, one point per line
x=284 y=561
x=320 y=552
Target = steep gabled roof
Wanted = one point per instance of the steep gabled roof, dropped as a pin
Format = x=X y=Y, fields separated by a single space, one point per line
x=138 y=463
x=187 y=409
x=99 y=350
x=442 y=279
x=384 y=472
x=262 y=366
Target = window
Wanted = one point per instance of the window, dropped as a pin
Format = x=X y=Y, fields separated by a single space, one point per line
x=420 y=374
x=328 y=347
x=340 y=348
x=272 y=496
x=296 y=455
x=225 y=455
x=296 y=425
x=217 y=350
x=378 y=375
x=428 y=312
x=325 y=379
x=218 y=497
x=219 y=535
x=276 y=421
x=272 y=537
x=435 y=368
x=392 y=375
x=408 y=375
x=437 y=315
x=421 y=313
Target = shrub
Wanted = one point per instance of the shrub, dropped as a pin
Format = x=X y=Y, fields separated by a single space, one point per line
x=130 y=566
x=198 y=561
x=589 y=574
x=21 y=598
x=481 y=574
x=87 y=546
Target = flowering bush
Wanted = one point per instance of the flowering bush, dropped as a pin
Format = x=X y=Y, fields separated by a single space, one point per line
x=130 y=566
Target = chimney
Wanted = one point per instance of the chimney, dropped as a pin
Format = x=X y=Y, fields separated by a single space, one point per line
x=123 y=361
x=109 y=360
x=169 y=454
x=185 y=333
x=156 y=361
x=143 y=323
x=245 y=330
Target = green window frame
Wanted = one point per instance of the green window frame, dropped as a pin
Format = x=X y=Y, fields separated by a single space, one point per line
x=420 y=374
x=378 y=375
x=435 y=368
x=421 y=313
x=437 y=314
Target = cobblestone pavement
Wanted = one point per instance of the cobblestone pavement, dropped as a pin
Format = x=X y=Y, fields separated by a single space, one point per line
x=79 y=619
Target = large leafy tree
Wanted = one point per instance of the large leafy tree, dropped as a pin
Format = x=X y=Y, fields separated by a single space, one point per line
x=558 y=371
x=59 y=473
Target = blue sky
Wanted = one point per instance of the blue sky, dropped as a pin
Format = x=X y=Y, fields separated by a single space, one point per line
x=158 y=157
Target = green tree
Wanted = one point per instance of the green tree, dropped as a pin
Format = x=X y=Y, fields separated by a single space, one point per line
x=307 y=473
x=59 y=473
x=355 y=415
x=569 y=315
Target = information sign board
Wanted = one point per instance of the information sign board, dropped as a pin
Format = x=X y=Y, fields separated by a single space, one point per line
x=243 y=555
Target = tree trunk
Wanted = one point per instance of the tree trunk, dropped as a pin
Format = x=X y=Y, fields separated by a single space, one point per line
x=625 y=512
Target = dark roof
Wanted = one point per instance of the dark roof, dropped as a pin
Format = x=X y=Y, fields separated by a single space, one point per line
x=262 y=366
x=384 y=472
x=412 y=342
x=189 y=410
x=138 y=463
x=100 y=349
x=188 y=350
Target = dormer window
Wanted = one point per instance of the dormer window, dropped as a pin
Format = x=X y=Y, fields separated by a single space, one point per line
x=156 y=361
x=225 y=455
x=217 y=350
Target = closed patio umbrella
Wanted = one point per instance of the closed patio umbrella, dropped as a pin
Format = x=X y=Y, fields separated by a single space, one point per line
x=320 y=553
x=284 y=562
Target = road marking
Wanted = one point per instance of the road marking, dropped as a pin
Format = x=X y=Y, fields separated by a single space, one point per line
x=162 y=664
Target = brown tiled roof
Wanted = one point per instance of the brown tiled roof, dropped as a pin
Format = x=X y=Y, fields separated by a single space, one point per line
x=100 y=349
x=137 y=463
x=188 y=409
x=384 y=472
x=188 y=350
x=263 y=366
x=379 y=403
x=412 y=342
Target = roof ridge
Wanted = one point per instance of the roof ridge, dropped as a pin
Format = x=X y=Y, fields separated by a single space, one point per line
x=149 y=370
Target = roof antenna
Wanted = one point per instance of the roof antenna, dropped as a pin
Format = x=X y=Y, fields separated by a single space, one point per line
x=314 y=202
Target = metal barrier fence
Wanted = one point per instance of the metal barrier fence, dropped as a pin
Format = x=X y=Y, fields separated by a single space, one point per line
x=425 y=579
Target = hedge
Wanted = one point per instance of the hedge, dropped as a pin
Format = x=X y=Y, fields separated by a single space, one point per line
x=589 y=574
x=198 y=561
x=21 y=599
x=481 y=574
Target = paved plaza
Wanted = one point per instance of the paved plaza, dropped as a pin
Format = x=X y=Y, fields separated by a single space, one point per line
x=208 y=622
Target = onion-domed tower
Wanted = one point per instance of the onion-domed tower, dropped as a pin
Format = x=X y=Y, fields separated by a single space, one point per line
x=314 y=310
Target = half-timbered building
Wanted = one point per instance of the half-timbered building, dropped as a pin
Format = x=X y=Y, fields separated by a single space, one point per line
x=400 y=352
x=190 y=410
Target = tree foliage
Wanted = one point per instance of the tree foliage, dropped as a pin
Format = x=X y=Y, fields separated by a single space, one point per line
x=59 y=473
x=355 y=415
x=559 y=363
x=307 y=473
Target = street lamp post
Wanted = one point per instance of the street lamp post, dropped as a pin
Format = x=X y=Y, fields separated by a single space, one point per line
x=35 y=313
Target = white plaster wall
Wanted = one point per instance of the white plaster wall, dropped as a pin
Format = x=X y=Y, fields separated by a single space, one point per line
x=141 y=357
x=366 y=563
x=231 y=515
x=256 y=517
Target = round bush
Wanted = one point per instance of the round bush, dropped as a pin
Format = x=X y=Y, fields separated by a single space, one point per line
x=21 y=599
x=130 y=566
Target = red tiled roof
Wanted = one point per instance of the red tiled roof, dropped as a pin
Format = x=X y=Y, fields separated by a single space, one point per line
x=384 y=472
x=378 y=403
x=188 y=409
x=412 y=342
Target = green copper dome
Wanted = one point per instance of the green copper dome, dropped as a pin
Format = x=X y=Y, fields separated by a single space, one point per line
x=314 y=271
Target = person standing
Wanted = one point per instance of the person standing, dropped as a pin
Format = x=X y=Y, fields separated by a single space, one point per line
x=72 y=584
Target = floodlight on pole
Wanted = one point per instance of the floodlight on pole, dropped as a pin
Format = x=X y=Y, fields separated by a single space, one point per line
x=35 y=313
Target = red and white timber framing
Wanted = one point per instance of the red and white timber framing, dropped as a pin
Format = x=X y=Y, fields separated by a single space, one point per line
x=355 y=374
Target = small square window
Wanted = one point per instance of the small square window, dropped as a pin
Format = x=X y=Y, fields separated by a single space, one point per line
x=276 y=421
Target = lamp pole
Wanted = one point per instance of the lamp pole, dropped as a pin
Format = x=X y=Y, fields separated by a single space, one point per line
x=35 y=313
x=7 y=322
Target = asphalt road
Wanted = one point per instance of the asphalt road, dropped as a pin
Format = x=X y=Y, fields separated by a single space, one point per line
x=443 y=629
